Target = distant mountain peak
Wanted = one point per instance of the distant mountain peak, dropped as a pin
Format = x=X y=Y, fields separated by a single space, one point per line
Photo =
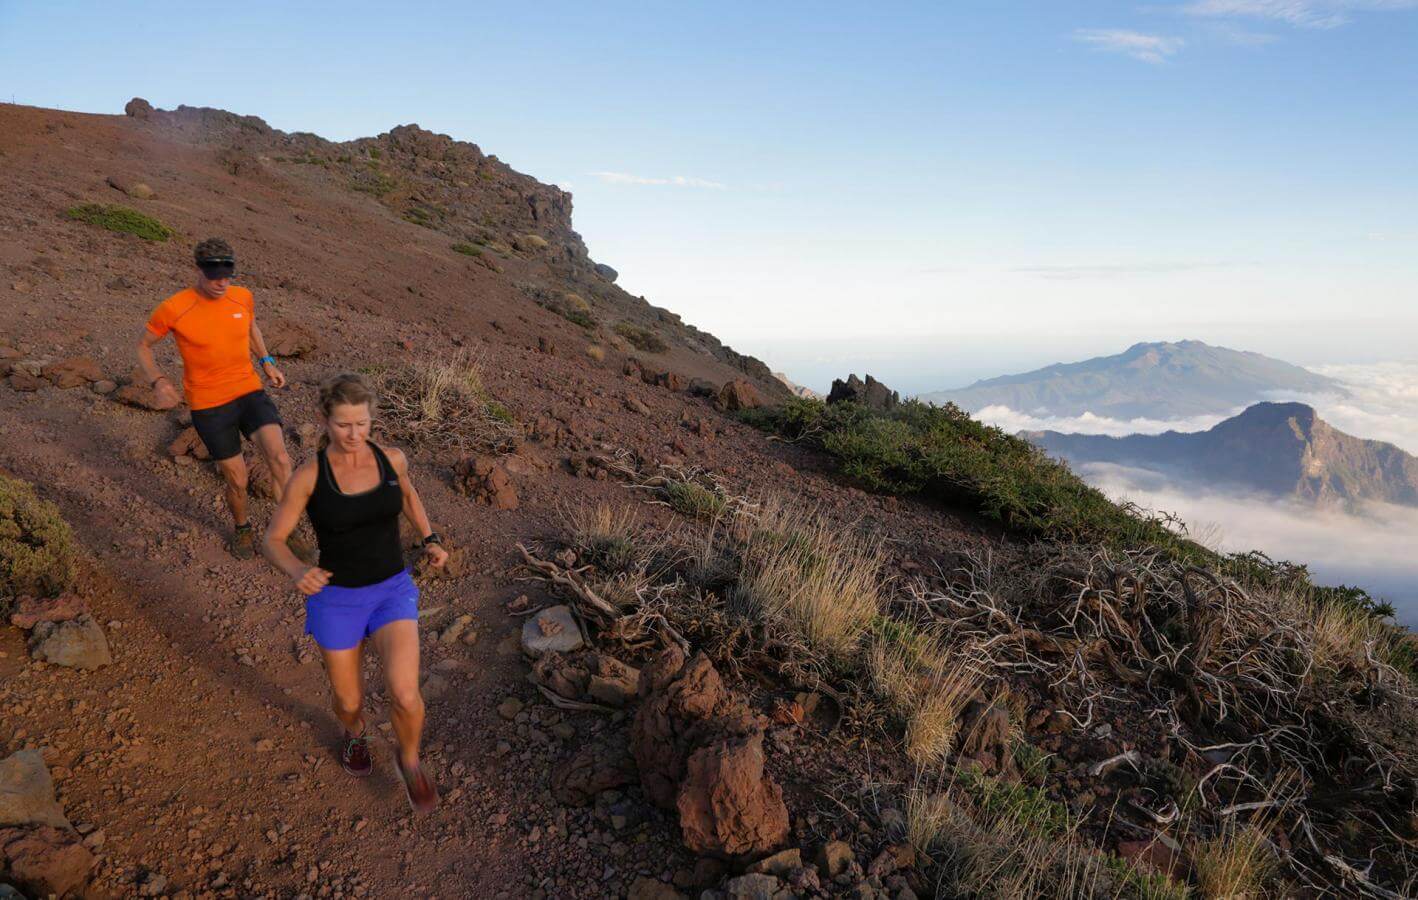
x=1281 y=449
x=1156 y=380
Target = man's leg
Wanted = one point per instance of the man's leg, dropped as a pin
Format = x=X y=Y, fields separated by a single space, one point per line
x=234 y=474
x=398 y=646
x=271 y=442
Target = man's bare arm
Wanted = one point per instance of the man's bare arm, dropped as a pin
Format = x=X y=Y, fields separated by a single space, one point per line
x=159 y=382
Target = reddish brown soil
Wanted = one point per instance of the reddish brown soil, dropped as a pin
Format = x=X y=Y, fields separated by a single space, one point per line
x=160 y=750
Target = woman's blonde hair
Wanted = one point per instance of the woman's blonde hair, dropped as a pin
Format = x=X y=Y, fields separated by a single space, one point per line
x=344 y=389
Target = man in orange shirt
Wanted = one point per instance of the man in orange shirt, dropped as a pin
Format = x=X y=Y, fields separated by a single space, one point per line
x=214 y=324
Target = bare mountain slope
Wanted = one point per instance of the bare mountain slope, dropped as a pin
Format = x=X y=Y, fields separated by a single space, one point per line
x=201 y=757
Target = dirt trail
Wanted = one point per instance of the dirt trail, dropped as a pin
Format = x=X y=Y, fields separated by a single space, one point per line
x=204 y=754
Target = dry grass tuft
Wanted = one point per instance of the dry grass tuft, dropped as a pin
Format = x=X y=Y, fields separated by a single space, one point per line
x=1343 y=636
x=605 y=536
x=927 y=812
x=596 y=352
x=804 y=573
x=443 y=405
x=1234 y=864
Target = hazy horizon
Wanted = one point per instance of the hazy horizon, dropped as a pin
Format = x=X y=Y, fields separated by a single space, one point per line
x=995 y=188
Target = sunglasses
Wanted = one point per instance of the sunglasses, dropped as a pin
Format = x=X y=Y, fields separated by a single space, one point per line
x=217 y=267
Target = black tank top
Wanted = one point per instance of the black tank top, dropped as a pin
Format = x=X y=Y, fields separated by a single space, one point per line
x=358 y=534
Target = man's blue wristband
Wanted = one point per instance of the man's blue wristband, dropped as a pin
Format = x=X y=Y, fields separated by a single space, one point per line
x=267 y=359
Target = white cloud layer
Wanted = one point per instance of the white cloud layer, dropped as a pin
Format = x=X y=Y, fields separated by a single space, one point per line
x=672 y=181
x=1300 y=13
x=1382 y=406
x=1373 y=550
x=1013 y=421
x=1149 y=48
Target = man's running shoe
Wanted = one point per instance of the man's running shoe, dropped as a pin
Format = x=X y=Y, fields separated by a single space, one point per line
x=243 y=542
x=418 y=787
x=354 y=756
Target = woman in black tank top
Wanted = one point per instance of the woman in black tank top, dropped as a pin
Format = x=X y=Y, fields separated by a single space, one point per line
x=354 y=492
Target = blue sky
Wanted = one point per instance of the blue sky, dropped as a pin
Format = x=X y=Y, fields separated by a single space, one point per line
x=934 y=192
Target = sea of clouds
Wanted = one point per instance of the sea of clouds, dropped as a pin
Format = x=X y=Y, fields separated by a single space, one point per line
x=1375 y=547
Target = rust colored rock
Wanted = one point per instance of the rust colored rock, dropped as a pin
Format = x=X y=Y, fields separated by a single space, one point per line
x=259 y=481
x=612 y=682
x=44 y=860
x=594 y=768
x=547 y=430
x=141 y=396
x=727 y=804
x=486 y=480
x=138 y=108
x=985 y=736
x=560 y=675
x=1153 y=854
x=289 y=339
x=134 y=188
x=25 y=384
x=737 y=395
x=700 y=752
x=30 y=611
x=188 y=443
x=73 y=372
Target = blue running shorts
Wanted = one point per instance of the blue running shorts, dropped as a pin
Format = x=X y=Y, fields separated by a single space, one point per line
x=340 y=617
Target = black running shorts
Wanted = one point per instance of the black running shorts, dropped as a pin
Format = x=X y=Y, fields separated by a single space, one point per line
x=221 y=427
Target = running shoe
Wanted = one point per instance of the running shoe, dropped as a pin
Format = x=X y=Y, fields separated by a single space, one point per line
x=418 y=787
x=355 y=757
x=243 y=542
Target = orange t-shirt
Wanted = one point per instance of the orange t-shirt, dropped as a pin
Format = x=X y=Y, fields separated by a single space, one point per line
x=214 y=338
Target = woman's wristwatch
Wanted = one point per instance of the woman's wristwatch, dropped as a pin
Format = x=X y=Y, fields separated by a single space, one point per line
x=432 y=539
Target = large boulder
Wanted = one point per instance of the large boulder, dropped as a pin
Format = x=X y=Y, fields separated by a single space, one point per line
x=736 y=395
x=486 y=480
x=138 y=108
x=606 y=272
x=699 y=751
x=77 y=644
x=727 y=803
x=45 y=861
x=870 y=393
x=27 y=792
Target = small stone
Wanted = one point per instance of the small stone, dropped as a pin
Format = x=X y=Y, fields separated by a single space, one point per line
x=509 y=708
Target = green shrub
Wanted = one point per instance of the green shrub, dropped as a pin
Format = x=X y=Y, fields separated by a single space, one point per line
x=121 y=219
x=575 y=317
x=375 y=153
x=692 y=499
x=376 y=183
x=642 y=339
x=467 y=250
x=941 y=452
x=37 y=556
x=1021 y=803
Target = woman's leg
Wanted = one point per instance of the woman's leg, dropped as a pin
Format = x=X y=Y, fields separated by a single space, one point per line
x=398 y=646
x=347 y=687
